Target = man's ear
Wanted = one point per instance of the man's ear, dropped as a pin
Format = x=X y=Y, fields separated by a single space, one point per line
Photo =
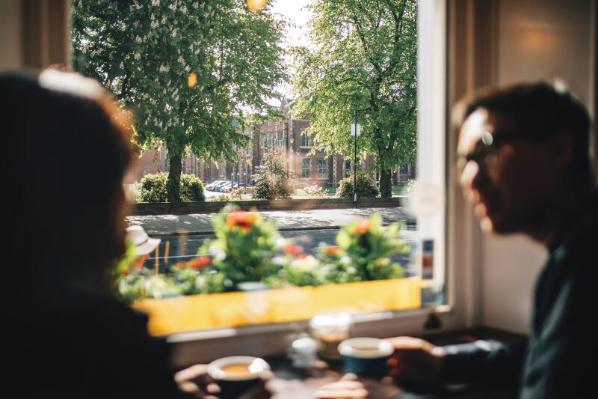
x=561 y=150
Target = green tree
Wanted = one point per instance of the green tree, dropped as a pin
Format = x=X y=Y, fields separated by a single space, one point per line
x=362 y=66
x=186 y=68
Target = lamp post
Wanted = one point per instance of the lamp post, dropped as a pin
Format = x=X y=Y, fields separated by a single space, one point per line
x=355 y=130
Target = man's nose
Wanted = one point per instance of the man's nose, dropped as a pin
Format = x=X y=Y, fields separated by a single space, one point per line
x=471 y=179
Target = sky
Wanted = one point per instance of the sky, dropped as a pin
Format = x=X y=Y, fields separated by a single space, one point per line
x=297 y=16
x=295 y=12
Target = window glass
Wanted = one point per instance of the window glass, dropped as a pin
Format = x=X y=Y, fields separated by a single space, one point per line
x=228 y=92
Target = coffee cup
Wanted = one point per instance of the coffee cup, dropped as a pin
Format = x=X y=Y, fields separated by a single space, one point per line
x=365 y=356
x=237 y=374
x=330 y=329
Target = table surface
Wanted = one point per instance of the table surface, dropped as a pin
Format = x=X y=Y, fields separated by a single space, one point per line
x=293 y=383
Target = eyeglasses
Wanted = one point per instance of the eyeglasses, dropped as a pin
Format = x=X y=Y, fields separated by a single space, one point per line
x=485 y=155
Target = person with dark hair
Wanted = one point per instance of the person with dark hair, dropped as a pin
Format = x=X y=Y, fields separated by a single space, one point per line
x=525 y=165
x=67 y=150
x=64 y=334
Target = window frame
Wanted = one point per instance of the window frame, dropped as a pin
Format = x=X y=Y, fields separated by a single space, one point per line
x=307 y=168
x=438 y=31
x=322 y=172
x=439 y=22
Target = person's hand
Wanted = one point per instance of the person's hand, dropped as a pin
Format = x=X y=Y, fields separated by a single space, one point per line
x=415 y=361
x=195 y=382
x=347 y=387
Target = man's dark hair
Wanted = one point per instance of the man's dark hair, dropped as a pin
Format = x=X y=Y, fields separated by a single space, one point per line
x=539 y=111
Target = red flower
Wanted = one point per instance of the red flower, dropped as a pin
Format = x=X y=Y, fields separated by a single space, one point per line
x=242 y=219
x=332 y=251
x=200 y=262
x=292 y=249
x=362 y=227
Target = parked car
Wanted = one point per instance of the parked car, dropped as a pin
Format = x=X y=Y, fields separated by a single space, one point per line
x=220 y=186
x=212 y=186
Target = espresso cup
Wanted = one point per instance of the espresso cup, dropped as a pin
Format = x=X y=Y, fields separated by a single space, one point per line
x=365 y=356
x=237 y=374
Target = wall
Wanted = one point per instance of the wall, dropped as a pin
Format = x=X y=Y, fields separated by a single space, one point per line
x=10 y=35
x=533 y=39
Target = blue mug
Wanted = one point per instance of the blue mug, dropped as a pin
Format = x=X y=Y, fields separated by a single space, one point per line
x=365 y=356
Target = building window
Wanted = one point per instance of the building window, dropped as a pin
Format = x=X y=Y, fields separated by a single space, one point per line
x=323 y=168
x=306 y=168
x=306 y=140
x=347 y=168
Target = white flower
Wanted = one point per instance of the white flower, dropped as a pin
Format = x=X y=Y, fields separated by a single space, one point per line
x=181 y=60
x=155 y=3
x=306 y=264
x=137 y=56
x=164 y=68
x=216 y=252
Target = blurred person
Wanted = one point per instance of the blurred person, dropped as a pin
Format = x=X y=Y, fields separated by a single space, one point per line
x=64 y=333
x=525 y=165
x=144 y=244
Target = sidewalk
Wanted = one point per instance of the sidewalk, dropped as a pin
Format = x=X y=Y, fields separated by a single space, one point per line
x=286 y=220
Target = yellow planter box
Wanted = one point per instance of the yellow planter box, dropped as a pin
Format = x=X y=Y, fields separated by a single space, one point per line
x=235 y=309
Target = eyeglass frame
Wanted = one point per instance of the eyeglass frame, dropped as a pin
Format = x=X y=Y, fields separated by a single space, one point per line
x=486 y=154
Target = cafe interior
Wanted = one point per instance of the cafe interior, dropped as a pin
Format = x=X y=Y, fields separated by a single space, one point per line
x=467 y=286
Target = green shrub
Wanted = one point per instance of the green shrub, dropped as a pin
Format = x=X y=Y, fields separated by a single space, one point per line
x=366 y=187
x=191 y=188
x=272 y=180
x=152 y=188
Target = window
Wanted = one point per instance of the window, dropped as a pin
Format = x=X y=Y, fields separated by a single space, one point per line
x=306 y=140
x=306 y=168
x=347 y=170
x=323 y=168
x=430 y=149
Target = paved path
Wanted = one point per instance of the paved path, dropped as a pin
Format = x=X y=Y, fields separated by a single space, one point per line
x=286 y=220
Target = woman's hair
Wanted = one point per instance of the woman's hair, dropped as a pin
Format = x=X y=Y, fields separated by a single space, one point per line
x=67 y=149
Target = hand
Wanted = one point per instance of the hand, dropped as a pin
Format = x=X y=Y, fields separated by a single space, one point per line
x=194 y=382
x=347 y=387
x=415 y=361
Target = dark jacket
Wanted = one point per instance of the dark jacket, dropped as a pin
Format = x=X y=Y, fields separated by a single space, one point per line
x=562 y=349
x=80 y=345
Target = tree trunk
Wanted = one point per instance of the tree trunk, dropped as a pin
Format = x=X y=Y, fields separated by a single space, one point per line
x=173 y=185
x=385 y=183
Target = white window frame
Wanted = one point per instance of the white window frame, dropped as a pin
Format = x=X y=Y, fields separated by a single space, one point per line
x=308 y=139
x=455 y=248
x=323 y=175
x=303 y=169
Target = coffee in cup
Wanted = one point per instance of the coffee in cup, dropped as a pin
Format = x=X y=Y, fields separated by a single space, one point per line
x=237 y=374
x=365 y=356
x=330 y=329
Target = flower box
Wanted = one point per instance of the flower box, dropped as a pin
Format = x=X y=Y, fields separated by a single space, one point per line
x=236 y=309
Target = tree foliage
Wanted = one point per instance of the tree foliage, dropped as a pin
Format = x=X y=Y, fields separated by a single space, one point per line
x=186 y=68
x=362 y=66
x=273 y=181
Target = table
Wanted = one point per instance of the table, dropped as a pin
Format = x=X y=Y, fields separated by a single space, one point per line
x=292 y=383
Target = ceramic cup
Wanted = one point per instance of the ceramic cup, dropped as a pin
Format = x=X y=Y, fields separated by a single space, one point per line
x=365 y=356
x=236 y=374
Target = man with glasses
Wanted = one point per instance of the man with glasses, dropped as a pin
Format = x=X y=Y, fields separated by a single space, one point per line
x=524 y=163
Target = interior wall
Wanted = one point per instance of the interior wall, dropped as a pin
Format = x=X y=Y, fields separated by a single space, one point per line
x=10 y=34
x=534 y=39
